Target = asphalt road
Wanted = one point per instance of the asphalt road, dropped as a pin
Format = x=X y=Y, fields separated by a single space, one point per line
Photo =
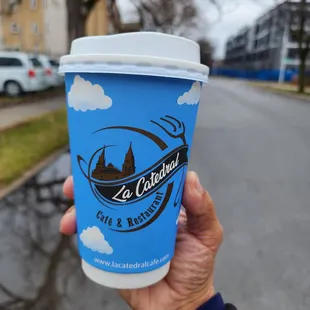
x=252 y=151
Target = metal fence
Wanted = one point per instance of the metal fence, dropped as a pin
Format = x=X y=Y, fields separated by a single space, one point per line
x=260 y=75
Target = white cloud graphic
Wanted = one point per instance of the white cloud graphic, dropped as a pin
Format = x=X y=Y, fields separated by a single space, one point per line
x=191 y=97
x=94 y=239
x=84 y=96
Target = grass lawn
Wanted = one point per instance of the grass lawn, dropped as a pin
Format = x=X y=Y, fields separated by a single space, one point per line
x=23 y=146
x=284 y=88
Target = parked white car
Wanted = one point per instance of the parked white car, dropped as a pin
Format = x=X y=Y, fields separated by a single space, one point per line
x=50 y=70
x=55 y=65
x=20 y=73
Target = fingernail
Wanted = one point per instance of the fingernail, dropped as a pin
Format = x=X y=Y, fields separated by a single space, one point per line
x=199 y=187
x=70 y=210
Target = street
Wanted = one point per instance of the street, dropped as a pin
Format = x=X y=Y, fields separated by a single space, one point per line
x=252 y=151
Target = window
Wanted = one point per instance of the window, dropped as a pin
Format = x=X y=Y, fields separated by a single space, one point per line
x=35 y=28
x=36 y=63
x=265 y=55
x=293 y=53
x=255 y=44
x=14 y=8
x=10 y=62
x=4 y=62
x=260 y=56
x=33 y=4
x=14 y=28
x=14 y=62
x=294 y=36
x=257 y=29
x=54 y=63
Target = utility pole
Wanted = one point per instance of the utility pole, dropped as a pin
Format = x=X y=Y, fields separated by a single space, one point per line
x=284 y=53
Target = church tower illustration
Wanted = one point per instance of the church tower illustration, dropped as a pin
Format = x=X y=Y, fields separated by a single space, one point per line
x=129 y=163
x=110 y=172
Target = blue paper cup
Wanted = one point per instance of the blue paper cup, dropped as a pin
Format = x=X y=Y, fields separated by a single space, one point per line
x=131 y=123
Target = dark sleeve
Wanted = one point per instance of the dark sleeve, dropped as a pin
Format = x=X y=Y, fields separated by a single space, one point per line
x=217 y=303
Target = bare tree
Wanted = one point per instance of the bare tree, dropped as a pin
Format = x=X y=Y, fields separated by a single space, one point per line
x=114 y=16
x=78 y=11
x=296 y=16
x=303 y=37
x=206 y=51
x=167 y=16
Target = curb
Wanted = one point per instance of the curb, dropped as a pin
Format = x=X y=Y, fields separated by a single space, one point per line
x=287 y=94
x=31 y=172
x=32 y=100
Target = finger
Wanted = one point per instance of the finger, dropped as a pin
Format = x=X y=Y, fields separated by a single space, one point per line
x=68 y=222
x=182 y=217
x=68 y=188
x=201 y=216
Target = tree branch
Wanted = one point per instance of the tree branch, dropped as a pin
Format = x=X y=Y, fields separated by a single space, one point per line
x=114 y=15
x=9 y=7
x=173 y=17
x=10 y=294
x=89 y=5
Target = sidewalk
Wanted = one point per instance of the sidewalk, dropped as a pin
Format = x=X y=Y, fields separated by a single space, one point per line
x=20 y=113
x=285 y=89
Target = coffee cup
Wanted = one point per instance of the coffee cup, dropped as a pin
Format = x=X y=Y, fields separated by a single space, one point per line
x=132 y=102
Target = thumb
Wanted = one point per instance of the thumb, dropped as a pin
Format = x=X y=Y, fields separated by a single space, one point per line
x=202 y=221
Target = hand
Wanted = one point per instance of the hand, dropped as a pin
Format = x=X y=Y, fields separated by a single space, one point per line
x=189 y=282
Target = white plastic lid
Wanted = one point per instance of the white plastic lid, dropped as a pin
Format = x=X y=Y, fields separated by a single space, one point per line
x=142 y=53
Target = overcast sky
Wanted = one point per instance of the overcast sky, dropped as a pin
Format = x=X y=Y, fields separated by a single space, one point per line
x=236 y=15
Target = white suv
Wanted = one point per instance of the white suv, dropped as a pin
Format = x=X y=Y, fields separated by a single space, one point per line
x=20 y=73
x=55 y=67
x=50 y=70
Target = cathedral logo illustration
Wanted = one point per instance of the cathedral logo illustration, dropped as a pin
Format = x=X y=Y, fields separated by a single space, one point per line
x=110 y=172
x=118 y=186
